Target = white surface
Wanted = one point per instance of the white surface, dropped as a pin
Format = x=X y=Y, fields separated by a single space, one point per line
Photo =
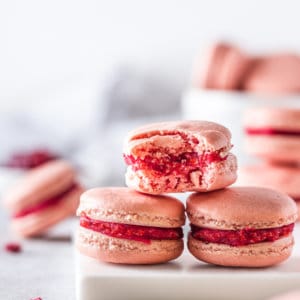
x=227 y=108
x=44 y=43
x=185 y=278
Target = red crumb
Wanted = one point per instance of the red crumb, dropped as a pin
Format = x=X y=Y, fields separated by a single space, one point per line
x=240 y=237
x=271 y=131
x=29 y=160
x=131 y=232
x=173 y=164
x=44 y=204
x=38 y=298
x=13 y=247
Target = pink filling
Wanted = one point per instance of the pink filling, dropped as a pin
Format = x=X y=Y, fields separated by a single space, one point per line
x=166 y=164
x=45 y=204
x=131 y=232
x=242 y=237
x=271 y=131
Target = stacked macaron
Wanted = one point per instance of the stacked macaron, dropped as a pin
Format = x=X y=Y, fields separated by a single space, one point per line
x=246 y=227
x=43 y=197
x=224 y=66
x=139 y=225
x=273 y=134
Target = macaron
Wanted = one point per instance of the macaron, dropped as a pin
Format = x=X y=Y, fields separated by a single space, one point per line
x=273 y=133
x=281 y=177
x=119 y=225
x=222 y=66
x=241 y=226
x=277 y=74
x=29 y=159
x=178 y=157
x=44 y=196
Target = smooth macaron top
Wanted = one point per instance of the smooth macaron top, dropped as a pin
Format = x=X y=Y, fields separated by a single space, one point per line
x=241 y=207
x=40 y=184
x=272 y=118
x=126 y=206
x=210 y=135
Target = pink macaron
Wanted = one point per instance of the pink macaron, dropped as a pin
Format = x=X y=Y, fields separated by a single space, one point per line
x=273 y=133
x=274 y=75
x=221 y=67
x=241 y=226
x=178 y=157
x=43 y=197
x=119 y=225
x=284 y=178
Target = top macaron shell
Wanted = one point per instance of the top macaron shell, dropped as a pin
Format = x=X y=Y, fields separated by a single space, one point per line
x=122 y=205
x=212 y=136
x=40 y=184
x=241 y=207
x=272 y=117
x=221 y=67
x=275 y=75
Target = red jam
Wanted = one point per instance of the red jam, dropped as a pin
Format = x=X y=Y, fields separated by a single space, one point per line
x=173 y=164
x=271 y=131
x=13 y=247
x=29 y=160
x=131 y=232
x=47 y=203
x=240 y=237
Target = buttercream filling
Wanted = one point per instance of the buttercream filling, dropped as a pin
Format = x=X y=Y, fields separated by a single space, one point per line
x=166 y=164
x=131 y=232
x=242 y=237
x=272 y=131
x=45 y=204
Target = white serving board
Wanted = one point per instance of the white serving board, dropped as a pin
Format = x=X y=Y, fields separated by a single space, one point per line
x=184 y=279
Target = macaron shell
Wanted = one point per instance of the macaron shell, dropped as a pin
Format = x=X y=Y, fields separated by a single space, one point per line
x=241 y=207
x=232 y=70
x=272 y=117
x=216 y=176
x=277 y=148
x=206 y=65
x=279 y=177
x=255 y=255
x=41 y=183
x=211 y=136
x=274 y=75
x=122 y=251
x=39 y=222
x=126 y=206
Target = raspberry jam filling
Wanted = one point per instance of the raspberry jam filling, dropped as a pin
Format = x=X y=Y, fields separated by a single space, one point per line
x=131 y=232
x=176 y=164
x=271 y=131
x=29 y=160
x=44 y=204
x=240 y=237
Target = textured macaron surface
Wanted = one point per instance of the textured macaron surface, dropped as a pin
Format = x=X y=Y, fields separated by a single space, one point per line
x=179 y=156
x=126 y=206
x=241 y=207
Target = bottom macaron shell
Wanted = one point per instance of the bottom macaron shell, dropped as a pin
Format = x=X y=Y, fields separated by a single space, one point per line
x=123 y=251
x=216 y=176
x=255 y=255
x=37 y=223
x=274 y=147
